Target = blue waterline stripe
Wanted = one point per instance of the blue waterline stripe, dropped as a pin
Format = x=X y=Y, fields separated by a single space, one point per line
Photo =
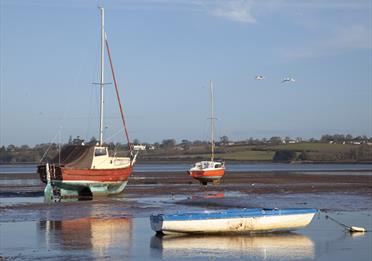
x=232 y=213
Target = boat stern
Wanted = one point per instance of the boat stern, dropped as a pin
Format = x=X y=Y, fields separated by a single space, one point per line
x=54 y=172
x=156 y=222
x=41 y=170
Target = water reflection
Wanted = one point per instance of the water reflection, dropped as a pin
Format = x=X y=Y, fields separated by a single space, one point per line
x=209 y=195
x=99 y=237
x=286 y=246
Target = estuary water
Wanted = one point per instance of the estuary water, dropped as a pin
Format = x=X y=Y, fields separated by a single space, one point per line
x=118 y=228
x=128 y=238
x=233 y=167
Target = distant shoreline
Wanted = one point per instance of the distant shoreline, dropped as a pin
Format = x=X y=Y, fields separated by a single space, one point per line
x=183 y=161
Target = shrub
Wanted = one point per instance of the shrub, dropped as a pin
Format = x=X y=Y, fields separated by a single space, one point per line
x=284 y=155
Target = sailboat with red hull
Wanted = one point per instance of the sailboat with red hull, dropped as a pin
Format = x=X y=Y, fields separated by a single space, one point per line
x=90 y=169
x=213 y=170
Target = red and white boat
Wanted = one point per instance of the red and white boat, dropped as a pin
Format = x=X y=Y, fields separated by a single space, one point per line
x=89 y=170
x=209 y=171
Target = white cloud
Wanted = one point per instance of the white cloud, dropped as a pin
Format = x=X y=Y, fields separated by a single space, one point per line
x=238 y=11
x=354 y=37
x=321 y=4
x=241 y=10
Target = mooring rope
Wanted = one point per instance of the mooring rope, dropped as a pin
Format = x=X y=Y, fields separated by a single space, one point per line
x=348 y=228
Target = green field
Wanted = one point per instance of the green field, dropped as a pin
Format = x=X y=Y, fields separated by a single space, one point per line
x=315 y=147
x=316 y=152
x=248 y=155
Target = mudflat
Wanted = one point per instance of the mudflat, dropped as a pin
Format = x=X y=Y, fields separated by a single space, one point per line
x=153 y=192
x=117 y=227
x=165 y=183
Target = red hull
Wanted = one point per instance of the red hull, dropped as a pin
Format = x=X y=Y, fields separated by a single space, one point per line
x=96 y=175
x=62 y=174
x=214 y=174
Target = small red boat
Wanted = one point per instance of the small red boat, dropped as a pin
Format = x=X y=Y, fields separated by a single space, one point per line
x=209 y=171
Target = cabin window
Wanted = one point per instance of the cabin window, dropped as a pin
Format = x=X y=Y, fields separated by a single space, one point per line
x=100 y=152
x=217 y=166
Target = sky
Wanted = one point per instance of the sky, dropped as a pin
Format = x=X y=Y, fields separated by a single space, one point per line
x=165 y=52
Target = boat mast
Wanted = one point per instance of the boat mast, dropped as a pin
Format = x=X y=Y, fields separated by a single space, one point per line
x=212 y=118
x=102 y=75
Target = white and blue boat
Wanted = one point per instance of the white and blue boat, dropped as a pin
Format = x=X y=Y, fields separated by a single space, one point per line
x=257 y=220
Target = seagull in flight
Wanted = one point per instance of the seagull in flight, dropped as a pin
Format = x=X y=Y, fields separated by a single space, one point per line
x=259 y=77
x=288 y=79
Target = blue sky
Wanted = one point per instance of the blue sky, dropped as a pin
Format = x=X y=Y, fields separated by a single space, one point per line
x=165 y=52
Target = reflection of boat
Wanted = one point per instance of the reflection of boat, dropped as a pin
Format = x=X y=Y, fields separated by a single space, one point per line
x=93 y=234
x=209 y=171
x=209 y=195
x=88 y=170
x=233 y=221
x=284 y=246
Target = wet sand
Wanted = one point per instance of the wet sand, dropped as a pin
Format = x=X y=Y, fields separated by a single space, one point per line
x=179 y=182
x=153 y=192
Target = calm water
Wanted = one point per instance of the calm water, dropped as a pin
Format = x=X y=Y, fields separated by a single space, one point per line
x=262 y=167
x=133 y=239
x=253 y=167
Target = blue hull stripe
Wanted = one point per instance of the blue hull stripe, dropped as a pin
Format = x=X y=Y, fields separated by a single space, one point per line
x=232 y=213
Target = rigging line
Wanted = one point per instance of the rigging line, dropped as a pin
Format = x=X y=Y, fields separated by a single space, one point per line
x=117 y=93
x=50 y=145
x=114 y=135
x=82 y=61
x=94 y=97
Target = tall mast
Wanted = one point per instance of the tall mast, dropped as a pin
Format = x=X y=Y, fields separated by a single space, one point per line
x=102 y=75
x=212 y=118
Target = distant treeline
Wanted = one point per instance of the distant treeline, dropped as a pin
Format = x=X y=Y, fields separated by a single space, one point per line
x=186 y=148
x=361 y=153
x=45 y=151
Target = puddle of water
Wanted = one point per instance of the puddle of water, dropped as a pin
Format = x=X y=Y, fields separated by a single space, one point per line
x=20 y=200
x=20 y=182
x=172 y=198
x=126 y=238
x=231 y=167
x=342 y=173
x=160 y=201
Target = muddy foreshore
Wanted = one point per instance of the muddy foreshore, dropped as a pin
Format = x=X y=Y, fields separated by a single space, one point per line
x=154 y=192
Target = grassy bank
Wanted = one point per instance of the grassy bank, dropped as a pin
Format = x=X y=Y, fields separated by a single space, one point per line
x=306 y=152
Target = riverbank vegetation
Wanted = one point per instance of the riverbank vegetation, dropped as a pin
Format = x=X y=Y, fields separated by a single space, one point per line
x=329 y=148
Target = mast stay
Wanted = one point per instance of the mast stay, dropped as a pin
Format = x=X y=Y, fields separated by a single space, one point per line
x=117 y=94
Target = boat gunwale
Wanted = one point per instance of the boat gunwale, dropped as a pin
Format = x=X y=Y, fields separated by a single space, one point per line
x=232 y=213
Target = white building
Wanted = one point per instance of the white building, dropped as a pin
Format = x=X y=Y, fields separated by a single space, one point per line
x=139 y=147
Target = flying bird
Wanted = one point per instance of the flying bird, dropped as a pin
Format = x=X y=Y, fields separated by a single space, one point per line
x=259 y=77
x=288 y=79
